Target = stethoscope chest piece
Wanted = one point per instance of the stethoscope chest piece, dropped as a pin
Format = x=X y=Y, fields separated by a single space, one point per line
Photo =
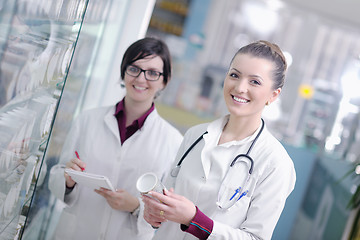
x=175 y=171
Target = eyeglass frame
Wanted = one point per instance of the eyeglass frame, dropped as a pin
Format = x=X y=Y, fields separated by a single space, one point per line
x=144 y=71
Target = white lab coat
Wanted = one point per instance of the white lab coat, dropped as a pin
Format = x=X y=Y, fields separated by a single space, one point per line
x=202 y=173
x=95 y=135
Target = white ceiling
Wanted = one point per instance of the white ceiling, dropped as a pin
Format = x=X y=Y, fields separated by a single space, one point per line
x=347 y=11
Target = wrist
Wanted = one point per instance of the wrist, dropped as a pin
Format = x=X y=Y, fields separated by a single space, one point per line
x=136 y=209
x=192 y=215
x=69 y=189
x=69 y=183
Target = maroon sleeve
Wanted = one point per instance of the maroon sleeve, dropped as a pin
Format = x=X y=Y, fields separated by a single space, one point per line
x=201 y=226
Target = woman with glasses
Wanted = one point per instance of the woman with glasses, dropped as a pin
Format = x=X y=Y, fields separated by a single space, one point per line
x=231 y=177
x=121 y=142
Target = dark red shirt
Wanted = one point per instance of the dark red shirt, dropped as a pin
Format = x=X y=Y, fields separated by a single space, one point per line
x=126 y=132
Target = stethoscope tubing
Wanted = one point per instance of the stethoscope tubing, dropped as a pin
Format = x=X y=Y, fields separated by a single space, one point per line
x=176 y=170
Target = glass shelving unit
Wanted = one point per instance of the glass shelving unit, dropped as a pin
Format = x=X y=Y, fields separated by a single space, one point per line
x=56 y=59
x=37 y=42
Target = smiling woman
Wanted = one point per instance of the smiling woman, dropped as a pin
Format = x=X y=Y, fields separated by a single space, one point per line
x=234 y=177
x=121 y=142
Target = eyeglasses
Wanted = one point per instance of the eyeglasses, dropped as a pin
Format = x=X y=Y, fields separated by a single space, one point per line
x=150 y=75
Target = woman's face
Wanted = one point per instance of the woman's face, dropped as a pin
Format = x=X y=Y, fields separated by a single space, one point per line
x=249 y=85
x=140 y=90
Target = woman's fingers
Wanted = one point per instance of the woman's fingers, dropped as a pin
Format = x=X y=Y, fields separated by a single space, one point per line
x=154 y=208
x=171 y=206
x=69 y=182
x=120 y=199
x=151 y=220
x=161 y=202
x=76 y=164
x=168 y=198
x=104 y=192
x=151 y=203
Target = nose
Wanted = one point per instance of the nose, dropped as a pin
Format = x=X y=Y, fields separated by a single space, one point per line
x=241 y=86
x=141 y=77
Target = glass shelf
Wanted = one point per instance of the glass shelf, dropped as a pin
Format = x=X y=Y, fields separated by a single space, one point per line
x=37 y=41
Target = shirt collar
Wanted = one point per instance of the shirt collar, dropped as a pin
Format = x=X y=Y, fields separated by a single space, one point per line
x=216 y=127
x=120 y=109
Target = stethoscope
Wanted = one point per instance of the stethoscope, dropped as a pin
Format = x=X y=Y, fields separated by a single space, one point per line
x=238 y=194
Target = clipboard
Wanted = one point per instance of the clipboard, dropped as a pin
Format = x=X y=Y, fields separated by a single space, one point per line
x=90 y=180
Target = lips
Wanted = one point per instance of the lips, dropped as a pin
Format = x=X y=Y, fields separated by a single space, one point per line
x=240 y=100
x=139 y=88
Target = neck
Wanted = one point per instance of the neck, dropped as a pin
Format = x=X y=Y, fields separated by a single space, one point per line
x=237 y=129
x=135 y=110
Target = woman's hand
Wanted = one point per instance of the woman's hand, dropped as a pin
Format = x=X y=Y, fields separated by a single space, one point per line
x=77 y=165
x=119 y=200
x=172 y=207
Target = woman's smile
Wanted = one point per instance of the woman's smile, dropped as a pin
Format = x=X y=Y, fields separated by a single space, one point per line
x=139 y=88
x=240 y=99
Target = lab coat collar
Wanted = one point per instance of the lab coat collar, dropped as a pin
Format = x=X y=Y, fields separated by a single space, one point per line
x=216 y=127
x=211 y=139
x=111 y=122
x=150 y=118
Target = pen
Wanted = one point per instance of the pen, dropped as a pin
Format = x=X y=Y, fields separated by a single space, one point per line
x=243 y=194
x=77 y=155
x=236 y=192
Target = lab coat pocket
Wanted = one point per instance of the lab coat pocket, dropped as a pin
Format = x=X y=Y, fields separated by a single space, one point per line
x=235 y=185
x=66 y=226
x=235 y=215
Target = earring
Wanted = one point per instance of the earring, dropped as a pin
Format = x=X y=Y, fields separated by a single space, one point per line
x=267 y=103
x=157 y=94
x=122 y=84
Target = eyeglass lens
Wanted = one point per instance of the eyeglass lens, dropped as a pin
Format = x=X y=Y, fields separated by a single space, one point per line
x=150 y=75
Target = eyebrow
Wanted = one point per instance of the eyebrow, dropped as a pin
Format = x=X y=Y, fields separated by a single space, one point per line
x=255 y=76
x=150 y=69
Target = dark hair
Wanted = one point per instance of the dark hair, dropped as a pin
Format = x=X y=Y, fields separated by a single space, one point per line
x=270 y=51
x=146 y=47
